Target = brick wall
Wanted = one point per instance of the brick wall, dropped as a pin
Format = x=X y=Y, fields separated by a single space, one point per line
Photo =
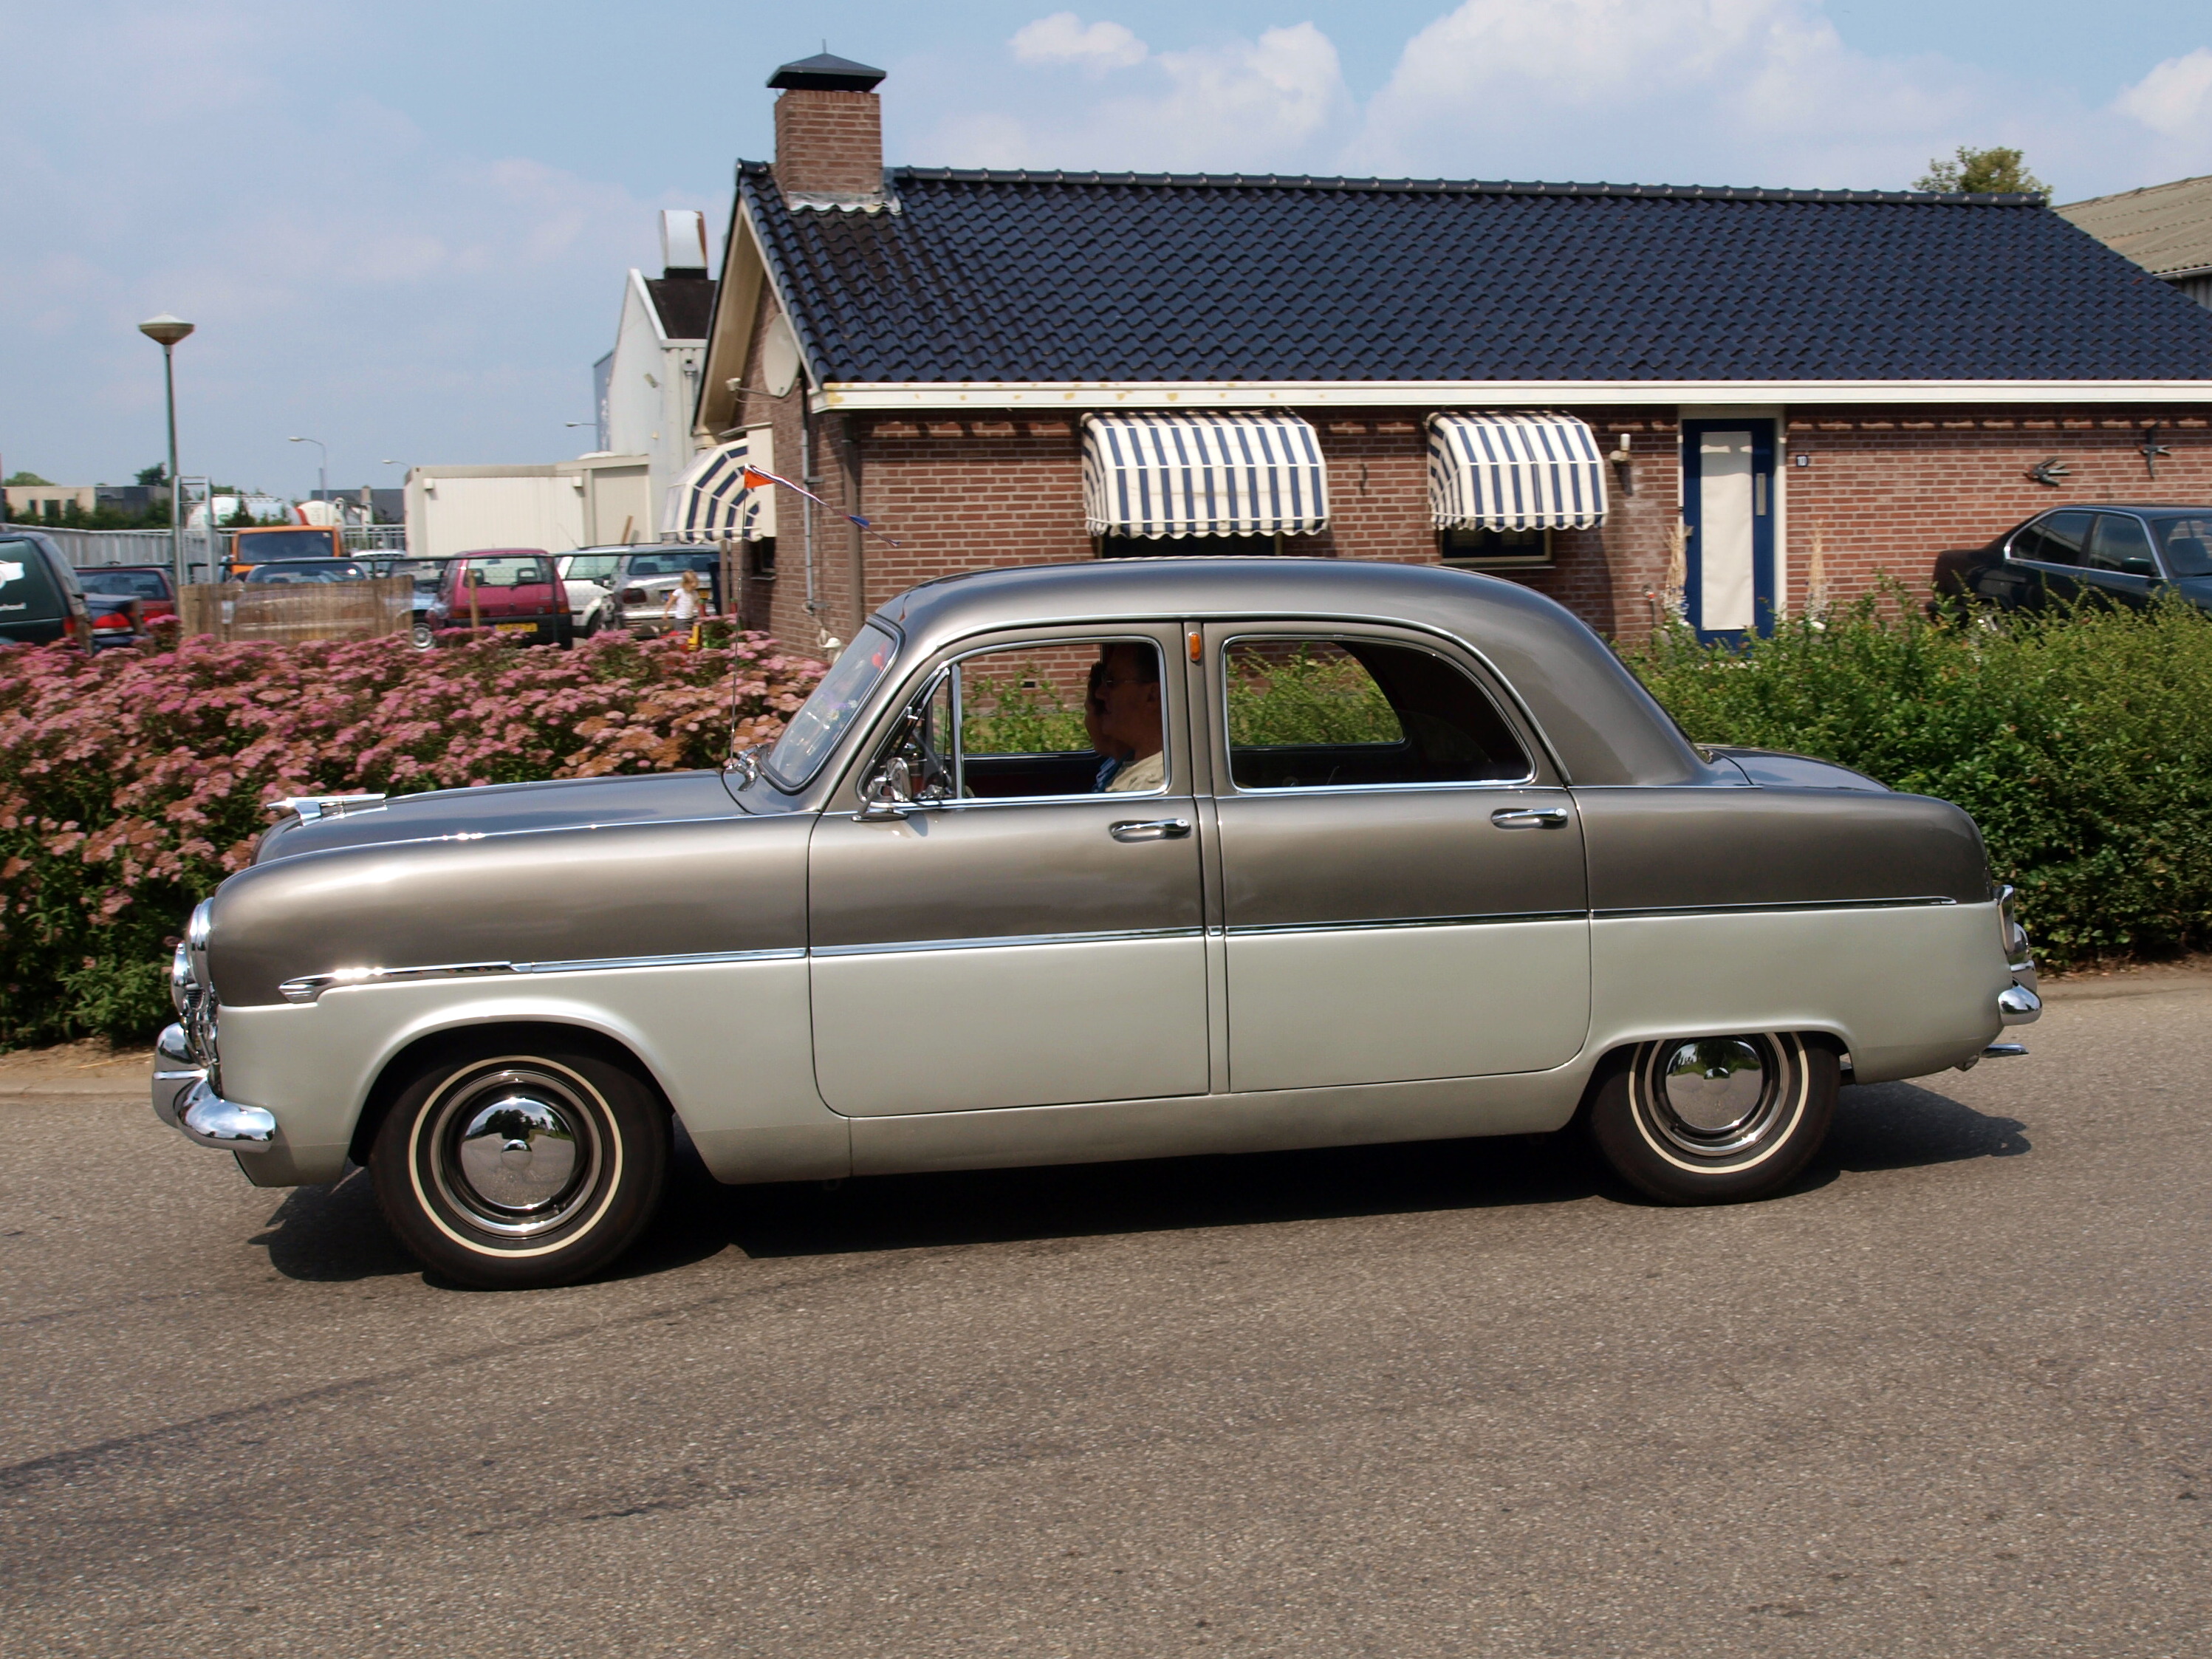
x=829 y=144
x=1884 y=491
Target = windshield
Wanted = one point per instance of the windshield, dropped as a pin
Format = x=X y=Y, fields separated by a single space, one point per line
x=27 y=593
x=255 y=545
x=2187 y=542
x=302 y=570
x=814 y=729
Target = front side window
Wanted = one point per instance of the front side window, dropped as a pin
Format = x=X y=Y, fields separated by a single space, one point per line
x=2056 y=539
x=2122 y=544
x=2186 y=541
x=1319 y=712
x=829 y=712
x=1068 y=718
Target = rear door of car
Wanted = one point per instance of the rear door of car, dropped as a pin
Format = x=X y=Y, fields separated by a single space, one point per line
x=1401 y=869
x=2047 y=556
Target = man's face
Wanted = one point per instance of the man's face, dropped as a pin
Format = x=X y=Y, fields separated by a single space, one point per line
x=1129 y=718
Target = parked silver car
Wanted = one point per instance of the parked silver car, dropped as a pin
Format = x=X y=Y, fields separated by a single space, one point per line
x=1114 y=860
x=647 y=575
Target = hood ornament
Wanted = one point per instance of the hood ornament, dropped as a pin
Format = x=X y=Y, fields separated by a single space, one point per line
x=308 y=808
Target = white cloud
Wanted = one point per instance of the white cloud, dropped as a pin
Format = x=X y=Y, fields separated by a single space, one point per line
x=2175 y=98
x=1257 y=105
x=1741 y=91
x=1063 y=38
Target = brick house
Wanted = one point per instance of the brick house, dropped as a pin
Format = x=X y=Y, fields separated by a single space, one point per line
x=1774 y=397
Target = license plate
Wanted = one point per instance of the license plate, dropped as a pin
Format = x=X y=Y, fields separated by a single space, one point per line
x=514 y=628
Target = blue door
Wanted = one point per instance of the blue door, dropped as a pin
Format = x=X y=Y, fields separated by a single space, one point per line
x=1727 y=501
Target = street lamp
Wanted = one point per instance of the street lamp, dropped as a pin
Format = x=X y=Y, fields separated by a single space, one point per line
x=322 y=467
x=166 y=331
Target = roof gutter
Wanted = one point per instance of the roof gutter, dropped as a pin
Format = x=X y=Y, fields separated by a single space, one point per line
x=863 y=396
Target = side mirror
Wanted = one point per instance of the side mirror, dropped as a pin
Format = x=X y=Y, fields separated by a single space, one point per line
x=888 y=795
x=2139 y=567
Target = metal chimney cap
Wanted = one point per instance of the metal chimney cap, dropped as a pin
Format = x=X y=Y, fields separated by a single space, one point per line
x=825 y=73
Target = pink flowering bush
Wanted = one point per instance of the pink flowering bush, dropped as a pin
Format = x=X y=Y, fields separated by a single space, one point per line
x=133 y=781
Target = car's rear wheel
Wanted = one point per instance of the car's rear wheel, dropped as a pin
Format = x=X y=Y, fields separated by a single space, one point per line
x=1715 y=1120
x=514 y=1164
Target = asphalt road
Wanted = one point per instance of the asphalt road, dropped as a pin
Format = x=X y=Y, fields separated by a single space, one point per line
x=1948 y=1395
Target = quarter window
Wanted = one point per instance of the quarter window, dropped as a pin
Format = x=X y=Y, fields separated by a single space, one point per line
x=1319 y=712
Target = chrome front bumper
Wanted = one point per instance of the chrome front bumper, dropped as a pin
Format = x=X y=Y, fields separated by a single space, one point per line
x=184 y=1098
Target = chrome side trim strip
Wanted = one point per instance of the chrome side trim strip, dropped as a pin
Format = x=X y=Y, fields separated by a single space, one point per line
x=1498 y=918
x=1923 y=901
x=309 y=986
x=1007 y=941
x=696 y=958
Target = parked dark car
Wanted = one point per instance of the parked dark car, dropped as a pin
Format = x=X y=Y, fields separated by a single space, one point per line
x=427 y=575
x=302 y=571
x=40 y=601
x=508 y=590
x=2118 y=553
x=153 y=588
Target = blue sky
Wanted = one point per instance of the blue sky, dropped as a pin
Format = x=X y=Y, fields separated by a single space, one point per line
x=402 y=228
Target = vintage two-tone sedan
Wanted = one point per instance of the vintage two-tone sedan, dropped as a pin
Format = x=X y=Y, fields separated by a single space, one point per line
x=1127 y=859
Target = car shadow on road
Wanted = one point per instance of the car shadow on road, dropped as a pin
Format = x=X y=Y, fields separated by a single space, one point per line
x=337 y=1233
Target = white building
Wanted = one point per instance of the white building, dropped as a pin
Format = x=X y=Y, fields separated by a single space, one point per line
x=648 y=385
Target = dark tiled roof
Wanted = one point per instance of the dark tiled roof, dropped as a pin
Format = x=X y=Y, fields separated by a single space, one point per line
x=686 y=304
x=1091 y=277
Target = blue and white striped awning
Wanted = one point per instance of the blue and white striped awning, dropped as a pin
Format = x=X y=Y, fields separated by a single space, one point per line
x=1515 y=472
x=710 y=502
x=1156 y=476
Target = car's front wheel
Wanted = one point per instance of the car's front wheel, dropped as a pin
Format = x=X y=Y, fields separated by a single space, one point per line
x=513 y=1165
x=1715 y=1120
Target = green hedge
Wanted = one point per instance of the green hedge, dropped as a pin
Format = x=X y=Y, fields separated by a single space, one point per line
x=2079 y=741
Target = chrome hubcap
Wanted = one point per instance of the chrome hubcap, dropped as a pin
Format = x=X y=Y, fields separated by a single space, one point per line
x=516 y=1148
x=1715 y=1095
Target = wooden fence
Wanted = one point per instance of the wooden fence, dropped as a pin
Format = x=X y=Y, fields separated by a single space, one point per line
x=307 y=611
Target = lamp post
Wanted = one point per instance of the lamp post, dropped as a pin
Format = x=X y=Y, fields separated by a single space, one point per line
x=322 y=467
x=166 y=331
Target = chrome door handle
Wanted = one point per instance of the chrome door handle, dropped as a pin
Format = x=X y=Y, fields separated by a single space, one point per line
x=1530 y=818
x=1151 y=829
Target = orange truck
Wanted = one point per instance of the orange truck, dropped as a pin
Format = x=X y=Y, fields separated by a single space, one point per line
x=262 y=542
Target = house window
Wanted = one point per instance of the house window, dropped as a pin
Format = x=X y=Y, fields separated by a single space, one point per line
x=1491 y=550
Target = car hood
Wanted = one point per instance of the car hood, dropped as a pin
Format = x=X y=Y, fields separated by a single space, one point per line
x=509 y=809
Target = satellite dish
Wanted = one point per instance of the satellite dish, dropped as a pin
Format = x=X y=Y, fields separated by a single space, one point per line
x=779 y=359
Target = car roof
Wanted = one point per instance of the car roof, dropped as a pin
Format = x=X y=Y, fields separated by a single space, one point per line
x=1602 y=725
x=2128 y=507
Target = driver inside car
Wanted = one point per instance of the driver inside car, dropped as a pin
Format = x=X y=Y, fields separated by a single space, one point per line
x=1123 y=716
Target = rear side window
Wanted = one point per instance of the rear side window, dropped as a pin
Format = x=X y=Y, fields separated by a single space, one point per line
x=1347 y=713
x=2056 y=539
x=29 y=592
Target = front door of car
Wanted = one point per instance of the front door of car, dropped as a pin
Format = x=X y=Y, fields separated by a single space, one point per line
x=1025 y=926
x=2121 y=566
x=1402 y=877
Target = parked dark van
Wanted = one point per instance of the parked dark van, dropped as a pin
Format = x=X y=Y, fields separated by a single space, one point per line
x=39 y=599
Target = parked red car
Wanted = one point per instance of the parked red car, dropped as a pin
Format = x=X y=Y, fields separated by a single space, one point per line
x=151 y=586
x=515 y=590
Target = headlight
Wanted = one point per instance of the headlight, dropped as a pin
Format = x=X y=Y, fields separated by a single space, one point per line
x=2010 y=933
x=196 y=932
x=183 y=988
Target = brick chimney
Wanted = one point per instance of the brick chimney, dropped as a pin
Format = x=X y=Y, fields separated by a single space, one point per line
x=828 y=133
